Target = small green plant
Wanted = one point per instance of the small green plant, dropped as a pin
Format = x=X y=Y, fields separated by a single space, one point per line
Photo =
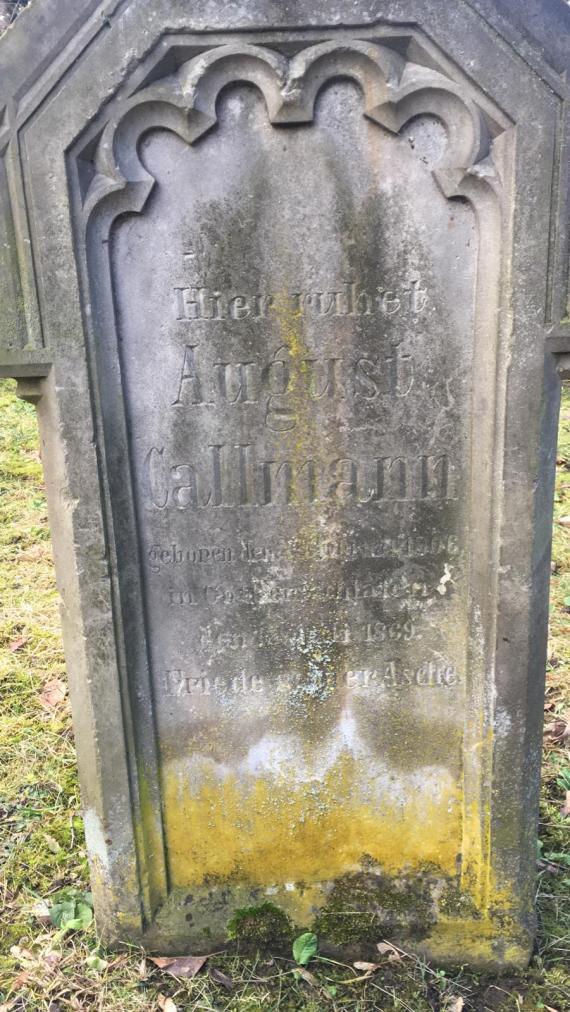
x=563 y=779
x=305 y=948
x=72 y=912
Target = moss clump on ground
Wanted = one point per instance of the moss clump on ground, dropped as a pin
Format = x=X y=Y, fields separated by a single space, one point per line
x=264 y=925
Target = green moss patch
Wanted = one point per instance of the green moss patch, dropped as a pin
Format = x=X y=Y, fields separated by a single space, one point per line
x=264 y=925
x=364 y=906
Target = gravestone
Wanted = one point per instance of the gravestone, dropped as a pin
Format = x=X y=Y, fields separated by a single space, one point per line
x=288 y=284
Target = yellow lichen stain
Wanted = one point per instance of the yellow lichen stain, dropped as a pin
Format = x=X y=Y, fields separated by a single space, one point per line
x=476 y=846
x=270 y=830
x=482 y=942
x=475 y=867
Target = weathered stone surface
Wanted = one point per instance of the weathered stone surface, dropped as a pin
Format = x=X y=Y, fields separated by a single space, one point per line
x=287 y=291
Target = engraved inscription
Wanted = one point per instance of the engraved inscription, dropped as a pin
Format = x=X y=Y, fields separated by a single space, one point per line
x=392 y=675
x=401 y=545
x=349 y=298
x=266 y=592
x=232 y=477
x=277 y=383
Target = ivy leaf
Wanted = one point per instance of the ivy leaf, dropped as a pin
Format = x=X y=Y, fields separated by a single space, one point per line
x=304 y=948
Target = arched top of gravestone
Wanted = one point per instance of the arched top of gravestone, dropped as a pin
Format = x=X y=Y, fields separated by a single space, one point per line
x=539 y=30
x=49 y=55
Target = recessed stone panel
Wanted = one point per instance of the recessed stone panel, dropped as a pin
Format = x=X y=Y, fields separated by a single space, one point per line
x=295 y=326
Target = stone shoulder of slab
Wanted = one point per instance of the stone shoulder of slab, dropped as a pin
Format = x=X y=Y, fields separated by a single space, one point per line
x=46 y=40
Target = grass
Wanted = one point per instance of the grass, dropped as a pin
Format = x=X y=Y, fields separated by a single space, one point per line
x=41 y=838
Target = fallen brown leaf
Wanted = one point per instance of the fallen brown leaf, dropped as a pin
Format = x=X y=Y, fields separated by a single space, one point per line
x=23 y=954
x=179 y=966
x=40 y=910
x=564 y=521
x=558 y=730
x=52 y=694
x=20 y=981
x=306 y=975
x=52 y=843
x=565 y=810
x=17 y=644
x=51 y=960
x=362 y=965
x=386 y=949
x=550 y=1009
x=166 y=1004
x=119 y=960
x=456 y=1005
x=221 y=978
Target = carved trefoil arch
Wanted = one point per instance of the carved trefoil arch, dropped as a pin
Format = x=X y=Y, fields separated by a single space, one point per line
x=395 y=90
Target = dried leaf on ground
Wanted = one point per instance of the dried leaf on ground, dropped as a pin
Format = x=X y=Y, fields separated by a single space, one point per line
x=51 y=843
x=52 y=694
x=17 y=644
x=20 y=981
x=565 y=810
x=166 y=1004
x=221 y=978
x=20 y=953
x=455 y=1005
x=50 y=960
x=300 y=971
x=387 y=949
x=564 y=521
x=363 y=965
x=40 y=910
x=559 y=730
x=179 y=966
